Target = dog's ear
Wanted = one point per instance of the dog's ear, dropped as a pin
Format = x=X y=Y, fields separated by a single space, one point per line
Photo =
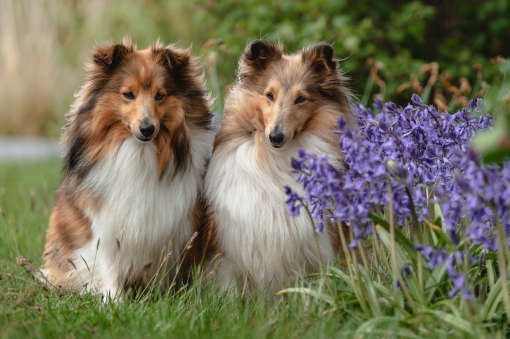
x=110 y=56
x=172 y=58
x=320 y=57
x=259 y=53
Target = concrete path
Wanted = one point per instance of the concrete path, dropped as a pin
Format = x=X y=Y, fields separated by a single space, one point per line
x=27 y=148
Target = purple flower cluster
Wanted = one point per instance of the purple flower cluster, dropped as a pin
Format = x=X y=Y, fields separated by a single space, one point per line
x=453 y=267
x=407 y=149
x=418 y=156
x=472 y=202
x=476 y=195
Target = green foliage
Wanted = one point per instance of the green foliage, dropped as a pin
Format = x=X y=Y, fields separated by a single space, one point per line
x=370 y=278
x=400 y=36
x=495 y=144
x=446 y=51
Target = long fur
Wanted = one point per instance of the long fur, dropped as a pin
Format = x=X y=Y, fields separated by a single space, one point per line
x=125 y=209
x=260 y=244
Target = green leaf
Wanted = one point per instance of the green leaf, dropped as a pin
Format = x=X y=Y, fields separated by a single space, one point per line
x=371 y=293
x=305 y=290
x=371 y=326
x=400 y=238
x=457 y=322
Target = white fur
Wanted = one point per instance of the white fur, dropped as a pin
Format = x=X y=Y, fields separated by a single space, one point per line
x=261 y=243
x=141 y=217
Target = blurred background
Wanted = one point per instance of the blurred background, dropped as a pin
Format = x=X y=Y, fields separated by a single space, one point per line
x=446 y=51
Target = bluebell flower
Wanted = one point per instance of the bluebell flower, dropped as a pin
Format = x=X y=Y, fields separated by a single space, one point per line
x=293 y=201
x=415 y=99
x=411 y=150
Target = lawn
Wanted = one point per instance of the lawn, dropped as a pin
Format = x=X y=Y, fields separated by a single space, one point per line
x=26 y=309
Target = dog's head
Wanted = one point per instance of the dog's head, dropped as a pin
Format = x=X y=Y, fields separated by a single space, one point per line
x=143 y=90
x=295 y=87
x=155 y=95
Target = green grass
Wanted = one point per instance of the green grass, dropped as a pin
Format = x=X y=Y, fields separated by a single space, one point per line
x=320 y=311
x=26 y=199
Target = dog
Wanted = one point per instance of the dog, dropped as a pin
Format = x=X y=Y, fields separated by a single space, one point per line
x=279 y=104
x=136 y=143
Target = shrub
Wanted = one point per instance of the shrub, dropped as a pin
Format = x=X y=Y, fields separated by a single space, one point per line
x=444 y=51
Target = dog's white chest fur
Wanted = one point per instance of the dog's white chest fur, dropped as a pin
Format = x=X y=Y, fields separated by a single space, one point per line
x=141 y=218
x=262 y=244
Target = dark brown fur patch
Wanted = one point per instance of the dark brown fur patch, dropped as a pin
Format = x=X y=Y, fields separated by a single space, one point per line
x=204 y=246
x=68 y=225
x=68 y=230
x=108 y=57
x=257 y=55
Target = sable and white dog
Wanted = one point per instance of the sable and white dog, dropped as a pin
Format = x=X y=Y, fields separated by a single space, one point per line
x=280 y=103
x=136 y=144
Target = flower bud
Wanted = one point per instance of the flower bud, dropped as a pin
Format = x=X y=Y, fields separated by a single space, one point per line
x=397 y=171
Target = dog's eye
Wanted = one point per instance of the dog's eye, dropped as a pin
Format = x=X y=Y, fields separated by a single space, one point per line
x=159 y=96
x=270 y=96
x=299 y=100
x=128 y=95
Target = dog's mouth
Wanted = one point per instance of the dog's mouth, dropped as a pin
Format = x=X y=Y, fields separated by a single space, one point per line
x=143 y=139
x=279 y=144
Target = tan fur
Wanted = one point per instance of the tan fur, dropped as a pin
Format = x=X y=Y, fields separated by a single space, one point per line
x=249 y=113
x=303 y=93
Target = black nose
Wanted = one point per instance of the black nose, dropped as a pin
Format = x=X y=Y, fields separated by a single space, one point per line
x=147 y=129
x=276 y=137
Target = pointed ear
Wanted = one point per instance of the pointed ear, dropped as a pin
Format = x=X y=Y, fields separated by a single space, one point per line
x=172 y=58
x=320 y=56
x=108 y=57
x=260 y=53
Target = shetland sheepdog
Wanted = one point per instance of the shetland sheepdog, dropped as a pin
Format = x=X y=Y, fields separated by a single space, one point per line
x=136 y=143
x=279 y=103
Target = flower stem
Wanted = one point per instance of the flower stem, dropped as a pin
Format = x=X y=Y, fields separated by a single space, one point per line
x=363 y=256
x=502 y=263
x=350 y=267
x=316 y=237
x=376 y=263
x=419 y=264
x=362 y=288
x=396 y=271
x=413 y=210
x=380 y=253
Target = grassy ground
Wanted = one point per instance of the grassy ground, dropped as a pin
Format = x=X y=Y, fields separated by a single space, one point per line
x=26 y=199
x=27 y=309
